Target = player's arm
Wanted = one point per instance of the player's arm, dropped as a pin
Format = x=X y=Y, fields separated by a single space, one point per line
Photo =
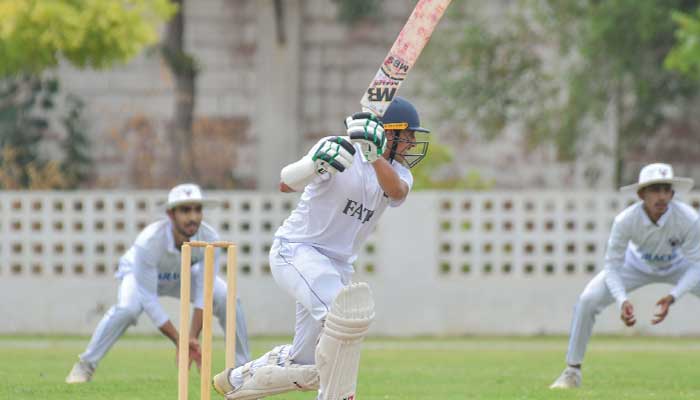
x=691 y=277
x=614 y=259
x=328 y=156
x=284 y=188
x=691 y=251
x=389 y=180
x=146 y=274
x=168 y=330
x=367 y=130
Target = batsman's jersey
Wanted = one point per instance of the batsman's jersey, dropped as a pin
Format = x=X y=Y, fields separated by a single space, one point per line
x=337 y=212
x=155 y=263
x=655 y=248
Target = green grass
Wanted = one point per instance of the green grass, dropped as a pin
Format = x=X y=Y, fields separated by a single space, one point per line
x=421 y=368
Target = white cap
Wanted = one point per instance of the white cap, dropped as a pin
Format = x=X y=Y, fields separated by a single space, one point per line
x=659 y=173
x=186 y=193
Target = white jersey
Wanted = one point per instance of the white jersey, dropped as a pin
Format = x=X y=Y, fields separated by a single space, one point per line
x=337 y=212
x=155 y=263
x=654 y=248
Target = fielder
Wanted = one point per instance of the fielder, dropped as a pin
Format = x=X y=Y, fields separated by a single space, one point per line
x=347 y=183
x=656 y=240
x=151 y=268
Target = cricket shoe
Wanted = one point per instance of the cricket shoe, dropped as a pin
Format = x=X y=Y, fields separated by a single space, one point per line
x=569 y=379
x=81 y=373
x=267 y=380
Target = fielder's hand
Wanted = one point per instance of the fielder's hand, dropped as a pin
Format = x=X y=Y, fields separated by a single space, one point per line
x=333 y=155
x=627 y=314
x=195 y=354
x=664 y=304
x=367 y=130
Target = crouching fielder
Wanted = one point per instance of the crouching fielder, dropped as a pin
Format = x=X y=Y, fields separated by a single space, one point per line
x=656 y=240
x=347 y=183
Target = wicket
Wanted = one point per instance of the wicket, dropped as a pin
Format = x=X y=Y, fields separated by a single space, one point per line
x=206 y=345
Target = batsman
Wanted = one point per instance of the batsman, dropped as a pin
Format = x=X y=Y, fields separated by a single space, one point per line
x=347 y=183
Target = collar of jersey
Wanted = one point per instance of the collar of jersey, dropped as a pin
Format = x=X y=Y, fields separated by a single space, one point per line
x=660 y=223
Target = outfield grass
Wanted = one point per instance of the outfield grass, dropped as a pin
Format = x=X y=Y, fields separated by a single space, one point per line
x=455 y=368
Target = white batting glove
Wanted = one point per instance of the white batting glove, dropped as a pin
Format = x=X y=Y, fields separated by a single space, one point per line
x=368 y=131
x=333 y=155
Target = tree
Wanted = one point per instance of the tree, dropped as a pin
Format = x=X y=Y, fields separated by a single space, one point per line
x=76 y=147
x=35 y=34
x=435 y=172
x=351 y=11
x=34 y=37
x=553 y=68
x=185 y=69
x=684 y=57
x=27 y=106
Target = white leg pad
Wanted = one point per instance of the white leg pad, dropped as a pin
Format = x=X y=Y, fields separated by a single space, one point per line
x=271 y=379
x=338 y=349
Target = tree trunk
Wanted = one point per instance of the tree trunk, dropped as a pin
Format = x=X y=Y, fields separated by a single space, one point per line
x=184 y=70
x=619 y=142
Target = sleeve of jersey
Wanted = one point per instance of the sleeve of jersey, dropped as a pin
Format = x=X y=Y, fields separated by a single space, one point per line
x=406 y=176
x=691 y=250
x=614 y=259
x=146 y=274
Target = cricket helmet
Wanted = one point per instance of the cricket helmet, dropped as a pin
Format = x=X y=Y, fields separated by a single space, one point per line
x=402 y=115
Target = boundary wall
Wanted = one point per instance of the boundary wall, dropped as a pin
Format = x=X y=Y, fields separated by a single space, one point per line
x=444 y=263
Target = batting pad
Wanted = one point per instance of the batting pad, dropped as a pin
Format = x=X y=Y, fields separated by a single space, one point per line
x=338 y=349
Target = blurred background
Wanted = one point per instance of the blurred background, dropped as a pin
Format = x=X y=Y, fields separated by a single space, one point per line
x=540 y=109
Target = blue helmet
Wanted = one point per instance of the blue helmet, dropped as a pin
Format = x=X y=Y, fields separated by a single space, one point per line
x=400 y=115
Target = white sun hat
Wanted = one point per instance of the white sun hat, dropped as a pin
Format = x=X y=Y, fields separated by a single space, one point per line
x=187 y=193
x=659 y=173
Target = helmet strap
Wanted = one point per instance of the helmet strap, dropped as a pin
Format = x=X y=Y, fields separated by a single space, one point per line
x=394 y=146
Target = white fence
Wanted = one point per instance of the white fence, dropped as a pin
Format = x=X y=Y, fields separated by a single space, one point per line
x=444 y=263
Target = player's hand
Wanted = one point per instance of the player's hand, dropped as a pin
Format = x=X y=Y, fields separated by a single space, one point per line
x=333 y=155
x=627 y=313
x=664 y=304
x=194 y=354
x=367 y=130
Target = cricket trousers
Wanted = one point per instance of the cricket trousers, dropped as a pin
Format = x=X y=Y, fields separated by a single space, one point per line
x=128 y=309
x=596 y=297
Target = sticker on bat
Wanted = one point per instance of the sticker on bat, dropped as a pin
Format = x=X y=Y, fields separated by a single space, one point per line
x=395 y=68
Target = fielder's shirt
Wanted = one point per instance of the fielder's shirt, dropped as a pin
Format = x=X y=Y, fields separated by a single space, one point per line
x=654 y=248
x=155 y=263
x=337 y=212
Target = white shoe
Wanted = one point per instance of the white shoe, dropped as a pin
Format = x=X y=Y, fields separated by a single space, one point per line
x=82 y=372
x=569 y=379
x=268 y=380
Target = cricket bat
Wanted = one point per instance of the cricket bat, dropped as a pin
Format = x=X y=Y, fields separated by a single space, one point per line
x=403 y=54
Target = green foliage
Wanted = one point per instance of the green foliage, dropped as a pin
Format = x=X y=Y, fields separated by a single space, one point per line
x=27 y=106
x=77 y=162
x=36 y=34
x=553 y=68
x=20 y=128
x=484 y=77
x=437 y=172
x=351 y=11
x=685 y=55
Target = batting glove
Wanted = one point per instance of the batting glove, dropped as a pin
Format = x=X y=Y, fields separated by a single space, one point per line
x=367 y=130
x=333 y=155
